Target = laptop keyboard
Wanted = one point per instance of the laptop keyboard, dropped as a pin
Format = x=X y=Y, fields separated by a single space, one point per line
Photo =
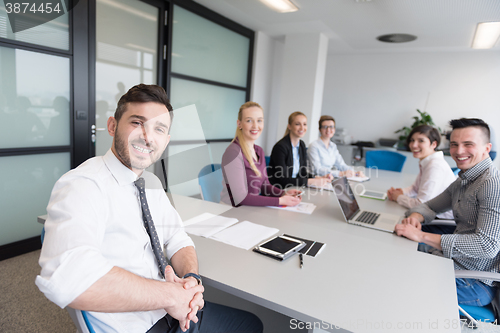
x=368 y=217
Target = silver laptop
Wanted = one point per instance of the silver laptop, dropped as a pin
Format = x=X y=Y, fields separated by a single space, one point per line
x=353 y=215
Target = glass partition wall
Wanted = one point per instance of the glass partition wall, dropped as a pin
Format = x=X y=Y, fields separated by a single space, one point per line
x=60 y=81
x=35 y=110
x=209 y=81
x=126 y=55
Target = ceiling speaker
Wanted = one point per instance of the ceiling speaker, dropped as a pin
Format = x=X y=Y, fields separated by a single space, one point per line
x=396 y=38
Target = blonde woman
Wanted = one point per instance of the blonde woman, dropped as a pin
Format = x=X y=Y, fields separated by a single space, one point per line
x=244 y=166
x=288 y=164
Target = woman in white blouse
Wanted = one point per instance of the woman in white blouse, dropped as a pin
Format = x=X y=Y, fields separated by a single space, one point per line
x=435 y=174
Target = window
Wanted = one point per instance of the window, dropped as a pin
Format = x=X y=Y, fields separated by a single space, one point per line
x=210 y=66
x=35 y=110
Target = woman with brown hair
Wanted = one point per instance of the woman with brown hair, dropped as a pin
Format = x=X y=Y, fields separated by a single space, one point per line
x=435 y=174
x=244 y=166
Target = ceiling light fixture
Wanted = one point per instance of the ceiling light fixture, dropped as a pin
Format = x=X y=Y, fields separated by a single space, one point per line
x=281 y=6
x=486 y=35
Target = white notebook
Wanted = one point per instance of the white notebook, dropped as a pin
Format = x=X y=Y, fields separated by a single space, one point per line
x=245 y=235
x=208 y=224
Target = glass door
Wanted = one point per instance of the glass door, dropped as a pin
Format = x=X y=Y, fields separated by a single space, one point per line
x=127 y=38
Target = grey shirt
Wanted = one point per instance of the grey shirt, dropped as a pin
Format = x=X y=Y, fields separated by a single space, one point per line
x=475 y=200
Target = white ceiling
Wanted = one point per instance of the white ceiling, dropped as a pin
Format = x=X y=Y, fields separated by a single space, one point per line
x=352 y=27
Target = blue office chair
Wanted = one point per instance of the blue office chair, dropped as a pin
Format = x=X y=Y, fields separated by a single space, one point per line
x=80 y=318
x=268 y=159
x=455 y=171
x=210 y=180
x=42 y=235
x=488 y=313
x=385 y=160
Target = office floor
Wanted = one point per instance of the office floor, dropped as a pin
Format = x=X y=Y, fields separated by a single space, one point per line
x=23 y=308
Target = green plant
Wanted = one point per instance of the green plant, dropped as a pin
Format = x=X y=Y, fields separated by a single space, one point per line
x=424 y=119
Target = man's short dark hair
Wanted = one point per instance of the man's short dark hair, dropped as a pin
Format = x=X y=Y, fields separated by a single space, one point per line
x=430 y=132
x=472 y=122
x=143 y=93
x=326 y=118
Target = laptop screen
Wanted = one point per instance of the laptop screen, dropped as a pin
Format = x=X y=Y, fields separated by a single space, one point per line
x=346 y=197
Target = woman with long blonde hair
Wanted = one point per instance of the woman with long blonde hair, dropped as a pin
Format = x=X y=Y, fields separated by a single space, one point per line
x=288 y=164
x=244 y=166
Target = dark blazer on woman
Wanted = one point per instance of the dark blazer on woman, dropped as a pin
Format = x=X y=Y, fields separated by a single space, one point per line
x=281 y=164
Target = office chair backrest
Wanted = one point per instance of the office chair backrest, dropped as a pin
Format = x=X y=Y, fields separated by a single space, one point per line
x=268 y=159
x=385 y=160
x=210 y=180
x=493 y=154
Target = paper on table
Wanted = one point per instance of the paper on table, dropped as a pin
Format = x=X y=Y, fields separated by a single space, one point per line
x=303 y=207
x=358 y=179
x=244 y=235
x=199 y=218
x=326 y=187
x=207 y=224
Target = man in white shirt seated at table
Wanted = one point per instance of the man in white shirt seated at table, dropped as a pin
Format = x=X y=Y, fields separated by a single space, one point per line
x=107 y=231
x=475 y=200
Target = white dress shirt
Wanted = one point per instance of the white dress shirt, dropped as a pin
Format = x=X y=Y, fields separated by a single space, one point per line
x=434 y=177
x=323 y=159
x=94 y=223
x=296 y=159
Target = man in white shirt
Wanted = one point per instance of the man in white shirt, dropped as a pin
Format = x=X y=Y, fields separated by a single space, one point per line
x=97 y=255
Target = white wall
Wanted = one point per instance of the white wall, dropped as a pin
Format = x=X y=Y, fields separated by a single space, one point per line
x=372 y=95
x=303 y=74
x=273 y=133
x=262 y=78
x=266 y=85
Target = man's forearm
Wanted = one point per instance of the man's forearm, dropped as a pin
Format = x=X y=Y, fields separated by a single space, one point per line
x=433 y=240
x=185 y=261
x=122 y=291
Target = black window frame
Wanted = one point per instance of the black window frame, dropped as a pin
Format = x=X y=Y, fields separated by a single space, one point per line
x=30 y=244
x=223 y=21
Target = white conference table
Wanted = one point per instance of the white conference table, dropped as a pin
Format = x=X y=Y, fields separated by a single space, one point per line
x=364 y=280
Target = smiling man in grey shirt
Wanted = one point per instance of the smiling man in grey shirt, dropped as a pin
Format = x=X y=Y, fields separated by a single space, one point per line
x=475 y=200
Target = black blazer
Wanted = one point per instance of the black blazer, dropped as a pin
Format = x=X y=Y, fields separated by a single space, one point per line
x=281 y=164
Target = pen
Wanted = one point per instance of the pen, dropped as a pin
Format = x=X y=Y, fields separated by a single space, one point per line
x=301 y=257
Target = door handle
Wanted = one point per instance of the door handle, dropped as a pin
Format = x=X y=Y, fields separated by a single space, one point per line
x=93 y=130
